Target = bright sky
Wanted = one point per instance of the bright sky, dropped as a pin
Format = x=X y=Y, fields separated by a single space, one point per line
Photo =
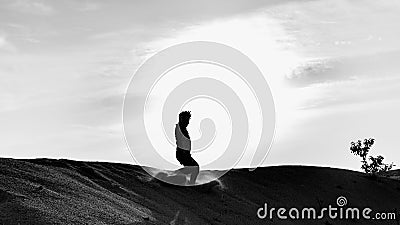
x=332 y=67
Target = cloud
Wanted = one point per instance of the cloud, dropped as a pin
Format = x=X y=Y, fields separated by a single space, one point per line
x=311 y=71
x=354 y=93
x=345 y=68
x=347 y=30
x=89 y=6
x=6 y=45
x=32 y=7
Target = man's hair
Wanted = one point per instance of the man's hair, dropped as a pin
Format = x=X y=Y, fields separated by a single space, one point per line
x=184 y=115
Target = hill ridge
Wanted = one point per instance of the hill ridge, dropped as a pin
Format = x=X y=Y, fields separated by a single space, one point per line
x=61 y=191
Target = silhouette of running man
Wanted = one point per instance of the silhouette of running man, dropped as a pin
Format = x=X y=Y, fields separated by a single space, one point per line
x=183 y=147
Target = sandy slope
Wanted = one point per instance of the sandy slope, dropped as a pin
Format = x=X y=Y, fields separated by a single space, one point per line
x=47 y=191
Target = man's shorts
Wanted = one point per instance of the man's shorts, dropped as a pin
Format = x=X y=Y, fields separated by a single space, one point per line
x=185 y=158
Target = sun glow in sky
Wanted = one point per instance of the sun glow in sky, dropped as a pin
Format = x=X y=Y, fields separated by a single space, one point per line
x=332 y=67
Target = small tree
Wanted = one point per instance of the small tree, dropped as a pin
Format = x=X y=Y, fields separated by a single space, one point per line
x=375 y=164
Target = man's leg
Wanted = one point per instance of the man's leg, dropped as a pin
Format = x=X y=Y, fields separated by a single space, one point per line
x=184 y=170
x=192 y=170
x=194 y=173
x=190 y=166
x=194 y=167
x=183 y=160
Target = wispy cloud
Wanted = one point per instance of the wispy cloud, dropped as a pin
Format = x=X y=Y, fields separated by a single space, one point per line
x=89 y=6
x=347 y=94
x=5 y=45
x=32 y=6
x=364 y=66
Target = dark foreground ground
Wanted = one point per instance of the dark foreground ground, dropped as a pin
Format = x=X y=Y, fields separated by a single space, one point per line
x=48 y=191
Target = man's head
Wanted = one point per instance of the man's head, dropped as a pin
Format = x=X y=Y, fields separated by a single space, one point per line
x=184 y=118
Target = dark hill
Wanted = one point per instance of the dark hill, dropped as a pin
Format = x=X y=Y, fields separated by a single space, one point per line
x=48 y=191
